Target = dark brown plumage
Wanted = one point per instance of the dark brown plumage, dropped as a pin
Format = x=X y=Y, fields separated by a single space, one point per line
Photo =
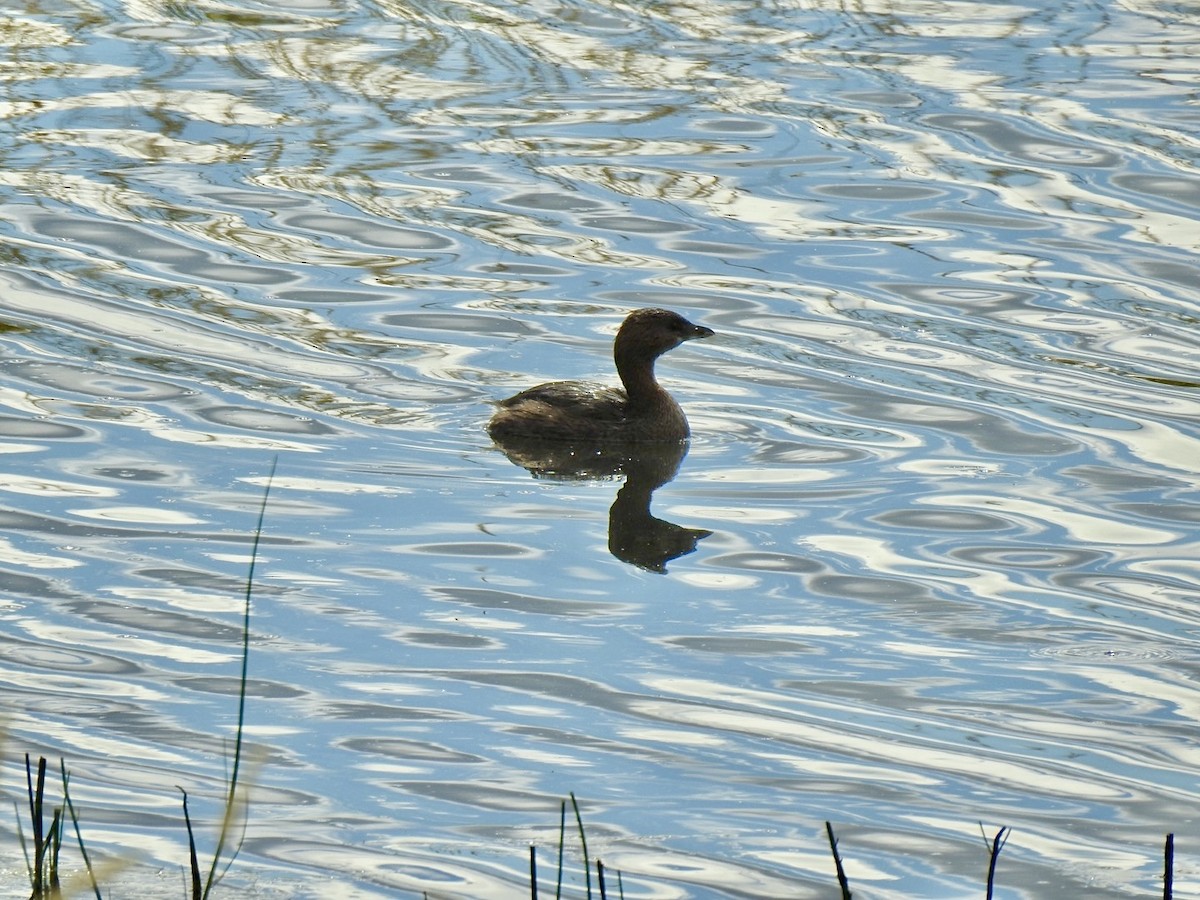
x=588 y=413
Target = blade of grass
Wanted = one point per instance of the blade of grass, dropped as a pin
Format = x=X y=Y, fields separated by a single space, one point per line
x=1168 y=866
x=562 y=838
x=587 y=867
x=533 y=872
x=36 y=795
x=231 y=803
x=843 y=882
x=997 y=844
x=52 y=852
x=193 y=859
x=87 y=862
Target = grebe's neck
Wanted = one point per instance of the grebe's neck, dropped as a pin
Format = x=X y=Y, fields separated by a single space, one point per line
x=636 y=370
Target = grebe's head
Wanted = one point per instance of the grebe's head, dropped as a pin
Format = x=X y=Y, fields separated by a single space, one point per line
x=650 y=333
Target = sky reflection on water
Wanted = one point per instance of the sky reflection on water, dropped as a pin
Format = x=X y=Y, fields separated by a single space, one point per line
x=942 y=488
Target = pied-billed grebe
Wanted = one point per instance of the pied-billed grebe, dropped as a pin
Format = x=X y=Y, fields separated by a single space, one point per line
x=587 y=413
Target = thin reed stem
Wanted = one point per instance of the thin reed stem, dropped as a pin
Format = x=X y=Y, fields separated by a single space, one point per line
x=1168 y=867
x=35 y=821
x=235 y=771
x=587 y=866
x=87 y=862
x=997 y=845
x=193 y=859
x=562 y=838
x=843 y=882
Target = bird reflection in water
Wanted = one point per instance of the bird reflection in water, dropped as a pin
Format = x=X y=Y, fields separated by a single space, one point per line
x=635 y=535
x=579 y=430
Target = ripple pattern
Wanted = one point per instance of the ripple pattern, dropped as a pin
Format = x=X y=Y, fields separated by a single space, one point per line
x=941 y=497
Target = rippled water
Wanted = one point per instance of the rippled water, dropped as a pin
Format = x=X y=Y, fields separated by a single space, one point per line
x=944 y=443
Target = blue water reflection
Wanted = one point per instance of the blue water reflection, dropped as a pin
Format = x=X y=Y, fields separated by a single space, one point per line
x=938 y=558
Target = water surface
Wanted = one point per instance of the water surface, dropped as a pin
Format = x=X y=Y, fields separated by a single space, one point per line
x=941 y=494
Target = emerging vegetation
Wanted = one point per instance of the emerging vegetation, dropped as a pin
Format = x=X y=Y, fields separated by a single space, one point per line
x=43 y=858
x=43 y=863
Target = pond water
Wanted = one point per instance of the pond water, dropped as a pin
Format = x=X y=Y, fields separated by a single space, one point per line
x=941 y=498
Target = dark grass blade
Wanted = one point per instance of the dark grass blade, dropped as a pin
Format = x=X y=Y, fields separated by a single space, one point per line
x=47 y=845
x=533 y=872
x=587 y=868
x=562 y=837
x=35 y=821
x=1168 y=866
x=87 y=862
x=843 y=882
x=52 y=851
x=997 y=844
x=193 y=859
x=600 y=879
x=231 y=800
